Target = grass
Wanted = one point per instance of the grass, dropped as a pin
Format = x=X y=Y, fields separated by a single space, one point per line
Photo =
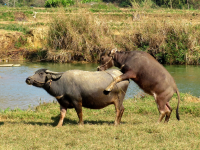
x=35 y=129
x=170 y=35
x=15 y=27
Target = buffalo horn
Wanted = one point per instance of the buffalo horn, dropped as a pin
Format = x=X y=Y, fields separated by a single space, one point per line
x=48 y=71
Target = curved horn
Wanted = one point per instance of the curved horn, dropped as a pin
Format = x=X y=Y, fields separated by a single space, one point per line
x=52 y=72
x=113 y=51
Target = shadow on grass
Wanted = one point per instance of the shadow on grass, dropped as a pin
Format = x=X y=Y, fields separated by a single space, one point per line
x=67 y=121
x=75 y=122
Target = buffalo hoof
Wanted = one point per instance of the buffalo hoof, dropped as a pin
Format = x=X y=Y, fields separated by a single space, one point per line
x=116 y=124
x=80 y=123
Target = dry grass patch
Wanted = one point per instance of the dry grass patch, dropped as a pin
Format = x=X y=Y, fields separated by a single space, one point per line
x=171 y=36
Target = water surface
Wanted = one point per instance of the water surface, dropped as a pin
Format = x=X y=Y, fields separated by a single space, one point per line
x=15 y=93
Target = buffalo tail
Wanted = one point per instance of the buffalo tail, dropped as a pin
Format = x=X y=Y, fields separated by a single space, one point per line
x=177 y=114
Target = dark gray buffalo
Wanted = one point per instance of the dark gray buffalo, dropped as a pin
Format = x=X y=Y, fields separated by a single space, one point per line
x=76 y=88
x=147 y=72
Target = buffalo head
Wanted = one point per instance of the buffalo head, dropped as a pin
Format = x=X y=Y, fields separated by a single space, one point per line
x=42 y=76
x=106 y=60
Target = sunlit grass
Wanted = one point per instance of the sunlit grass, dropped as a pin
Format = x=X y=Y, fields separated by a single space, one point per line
x=35 y=129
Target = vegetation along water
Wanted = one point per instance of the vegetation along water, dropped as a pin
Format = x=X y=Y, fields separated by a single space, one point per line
x=59 y=32
x=83 y=30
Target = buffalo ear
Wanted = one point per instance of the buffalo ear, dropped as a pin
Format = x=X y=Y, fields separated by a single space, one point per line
x=56 y=76
x=48 y=76
x=53 y=76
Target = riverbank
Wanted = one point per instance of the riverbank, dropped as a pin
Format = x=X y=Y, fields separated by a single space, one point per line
x=35 y=129
x=82 y=33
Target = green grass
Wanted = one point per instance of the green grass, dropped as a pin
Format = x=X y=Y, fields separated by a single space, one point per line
x=15 y=27
x=35 y=129
x=7 y=16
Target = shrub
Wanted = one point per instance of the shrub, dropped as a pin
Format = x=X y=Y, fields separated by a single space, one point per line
x=56 y=3
x=83 y=33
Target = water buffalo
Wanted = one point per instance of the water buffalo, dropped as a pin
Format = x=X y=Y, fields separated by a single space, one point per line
x=76 y=88
x=147 y=73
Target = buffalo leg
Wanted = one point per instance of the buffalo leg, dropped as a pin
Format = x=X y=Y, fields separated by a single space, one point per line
x=123 y=77
x=62 y=116
x=169 y=111
x=78 y=108
x=117 y=116
x=162 y=113
x=162 y=103
x=119 y=111
x=161 y=106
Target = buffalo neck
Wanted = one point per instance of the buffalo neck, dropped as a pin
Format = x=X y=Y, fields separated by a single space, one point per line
x=53 y=88
x=120 y=58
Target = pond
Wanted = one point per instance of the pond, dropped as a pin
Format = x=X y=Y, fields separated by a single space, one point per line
x=15 y=93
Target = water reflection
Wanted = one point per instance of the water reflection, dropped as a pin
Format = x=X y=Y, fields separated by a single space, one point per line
x=14 y=92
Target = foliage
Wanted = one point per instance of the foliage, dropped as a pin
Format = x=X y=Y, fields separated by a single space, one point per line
x=176 y=46
x=83 y=33
x=102 y=7
x=7 y=16
x=180 y=4
x=171 y=36
x=22 y=41
x=15 y=27
x=56 y=3
x=124 y=3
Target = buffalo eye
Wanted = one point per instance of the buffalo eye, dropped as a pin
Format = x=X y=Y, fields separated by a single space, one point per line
x=41 y=73
x=102 y=59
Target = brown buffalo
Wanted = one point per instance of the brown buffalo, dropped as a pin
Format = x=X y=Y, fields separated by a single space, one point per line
x=147 y=72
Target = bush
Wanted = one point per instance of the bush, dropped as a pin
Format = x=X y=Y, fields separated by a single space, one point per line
x=56 y=3
x=83 y=33
x=125 y=3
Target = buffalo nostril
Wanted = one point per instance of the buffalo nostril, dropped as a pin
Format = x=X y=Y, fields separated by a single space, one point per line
x=106 y=92
x=99 y=69
x=28 y=80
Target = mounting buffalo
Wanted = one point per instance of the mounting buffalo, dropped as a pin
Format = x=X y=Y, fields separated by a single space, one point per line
x=77 y=88
x=147 y=73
